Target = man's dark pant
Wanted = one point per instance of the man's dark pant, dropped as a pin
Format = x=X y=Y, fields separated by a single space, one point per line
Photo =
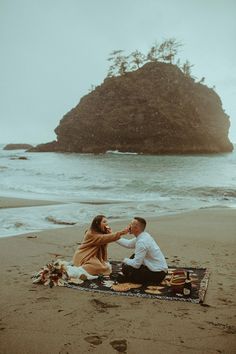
x=142 y=275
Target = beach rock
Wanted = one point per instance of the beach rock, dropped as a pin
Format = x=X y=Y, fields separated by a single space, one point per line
x=19 y=158
x=59 y=222
x=153 y=110
x=17 y=147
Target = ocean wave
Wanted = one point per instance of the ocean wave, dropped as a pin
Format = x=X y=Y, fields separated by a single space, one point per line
x=100 y=187
x=217 y=192
x=117 y=152
x=165 y=181
x=18 y=224
x=141 y=185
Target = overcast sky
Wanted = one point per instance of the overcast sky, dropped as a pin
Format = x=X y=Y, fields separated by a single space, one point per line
x=52 y=51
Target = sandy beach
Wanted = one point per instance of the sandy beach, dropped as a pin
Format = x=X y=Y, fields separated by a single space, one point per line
x=6 y=202
x=36 y=319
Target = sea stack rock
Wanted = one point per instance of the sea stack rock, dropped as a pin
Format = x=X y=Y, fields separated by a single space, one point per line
x=17 y=147
x=153 y=110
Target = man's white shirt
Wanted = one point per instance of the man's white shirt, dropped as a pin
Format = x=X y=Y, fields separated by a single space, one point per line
x=147 y=252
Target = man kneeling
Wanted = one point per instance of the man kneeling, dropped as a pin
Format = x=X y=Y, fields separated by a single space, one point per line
x=147 y=265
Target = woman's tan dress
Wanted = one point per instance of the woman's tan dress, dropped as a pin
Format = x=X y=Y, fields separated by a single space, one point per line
x=92 y=253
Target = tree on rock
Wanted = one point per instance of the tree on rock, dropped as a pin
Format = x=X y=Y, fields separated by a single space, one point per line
x=186 y=68
x=168 y=49
x=153 y=54
x=137 y=59
x=119 y=64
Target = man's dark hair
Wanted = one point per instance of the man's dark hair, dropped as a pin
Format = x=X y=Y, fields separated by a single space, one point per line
x=96 y=224
x=141 y=221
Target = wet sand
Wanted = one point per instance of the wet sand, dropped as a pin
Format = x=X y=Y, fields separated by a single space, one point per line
x=36 y=319
x=6 y=202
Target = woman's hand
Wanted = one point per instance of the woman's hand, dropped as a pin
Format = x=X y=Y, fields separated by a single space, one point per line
x=125 y=231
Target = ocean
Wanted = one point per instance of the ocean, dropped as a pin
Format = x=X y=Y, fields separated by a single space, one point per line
x=119 y=185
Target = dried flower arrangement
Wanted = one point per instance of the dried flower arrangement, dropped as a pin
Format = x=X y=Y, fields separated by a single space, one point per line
x=52 y=274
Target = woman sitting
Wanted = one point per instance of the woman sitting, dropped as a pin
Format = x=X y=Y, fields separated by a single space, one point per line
x=91 y=255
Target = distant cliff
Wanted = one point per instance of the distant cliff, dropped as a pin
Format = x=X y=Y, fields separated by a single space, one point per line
x=153 y=110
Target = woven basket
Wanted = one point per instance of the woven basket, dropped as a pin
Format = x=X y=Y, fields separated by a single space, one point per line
x=177 y=281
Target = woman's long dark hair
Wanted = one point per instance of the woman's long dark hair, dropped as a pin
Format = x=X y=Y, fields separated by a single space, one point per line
x=96 y=224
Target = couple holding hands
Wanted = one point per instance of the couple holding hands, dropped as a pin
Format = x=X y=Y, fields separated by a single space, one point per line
x=146 y=266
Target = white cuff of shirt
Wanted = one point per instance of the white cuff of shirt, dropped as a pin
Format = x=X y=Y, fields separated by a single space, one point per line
x=126 y=260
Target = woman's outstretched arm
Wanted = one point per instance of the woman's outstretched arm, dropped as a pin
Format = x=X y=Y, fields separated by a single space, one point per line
x=102 y=239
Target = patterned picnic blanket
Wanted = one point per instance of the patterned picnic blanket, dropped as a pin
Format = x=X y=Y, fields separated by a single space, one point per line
x=55 y=273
